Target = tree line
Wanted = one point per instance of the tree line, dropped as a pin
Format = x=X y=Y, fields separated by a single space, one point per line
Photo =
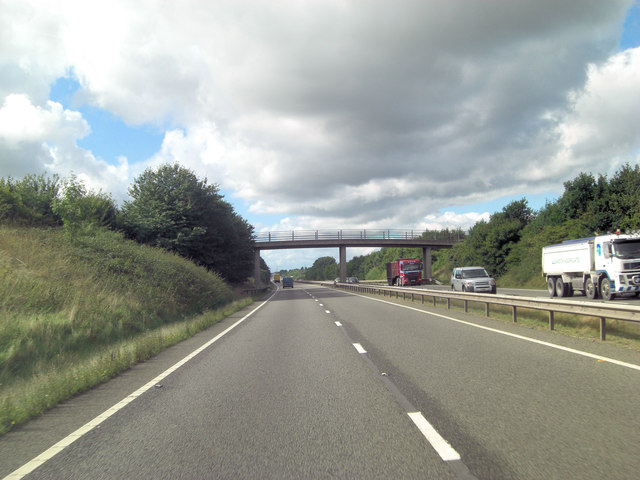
x=169 y=208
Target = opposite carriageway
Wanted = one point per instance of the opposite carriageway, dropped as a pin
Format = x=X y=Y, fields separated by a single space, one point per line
x=342 y=239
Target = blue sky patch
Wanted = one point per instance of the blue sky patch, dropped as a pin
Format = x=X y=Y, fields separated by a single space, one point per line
x=630 y=37
x=110 y=137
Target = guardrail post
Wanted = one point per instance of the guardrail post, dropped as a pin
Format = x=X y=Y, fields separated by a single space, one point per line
x=603 y=329
x=515 y=314
x=466 y=306
x=486 y=309
x=448 y=303
x=551 y=320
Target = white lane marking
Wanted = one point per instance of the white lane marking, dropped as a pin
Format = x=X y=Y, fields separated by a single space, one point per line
x=321 y=304
x=30 y=466
x=440 y=445
x=514 y=335
x=327 y=311
x=359 y=348
x=338 y=324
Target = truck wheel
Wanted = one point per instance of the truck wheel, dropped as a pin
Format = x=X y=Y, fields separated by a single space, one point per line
x=605 y=289
x=561 y=288
x=551 y=286
x=590 y=289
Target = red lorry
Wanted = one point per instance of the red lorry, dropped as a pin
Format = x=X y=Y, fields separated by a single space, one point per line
x=404 y=271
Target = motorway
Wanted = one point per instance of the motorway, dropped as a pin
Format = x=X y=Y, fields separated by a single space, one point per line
x=322 y=383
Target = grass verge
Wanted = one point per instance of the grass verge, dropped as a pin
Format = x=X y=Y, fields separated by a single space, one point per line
x=75 y=373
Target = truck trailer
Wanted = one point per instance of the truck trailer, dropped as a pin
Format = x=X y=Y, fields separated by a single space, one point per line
x=600 y=266
x=404 y=271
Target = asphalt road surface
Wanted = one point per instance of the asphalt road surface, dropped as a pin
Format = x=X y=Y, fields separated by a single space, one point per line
x=321 y=383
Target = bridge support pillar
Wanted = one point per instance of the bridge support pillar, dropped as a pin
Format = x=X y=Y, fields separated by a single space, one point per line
x=343 y=263
x=256 y=268
x=427 y=273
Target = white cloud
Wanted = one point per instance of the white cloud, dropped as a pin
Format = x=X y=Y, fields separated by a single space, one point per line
x=454 y=221
x=36 y=139
x=604 y=122
x=21 y=121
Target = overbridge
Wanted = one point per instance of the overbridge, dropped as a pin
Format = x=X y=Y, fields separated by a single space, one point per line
x=342 y=239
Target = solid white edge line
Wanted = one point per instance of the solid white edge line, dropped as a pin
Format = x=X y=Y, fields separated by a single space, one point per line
x=514 y=335
x=30 y=466
x=440 y=445
x=359 y=348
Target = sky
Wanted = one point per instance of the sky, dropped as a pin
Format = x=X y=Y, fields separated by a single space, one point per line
x=325 y=114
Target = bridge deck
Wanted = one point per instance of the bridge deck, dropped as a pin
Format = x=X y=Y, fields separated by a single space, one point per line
x=349 y=238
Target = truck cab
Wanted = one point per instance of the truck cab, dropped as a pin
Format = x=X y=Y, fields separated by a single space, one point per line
x=404 y=271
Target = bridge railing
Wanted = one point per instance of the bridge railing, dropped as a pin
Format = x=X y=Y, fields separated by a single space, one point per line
x=389 y=234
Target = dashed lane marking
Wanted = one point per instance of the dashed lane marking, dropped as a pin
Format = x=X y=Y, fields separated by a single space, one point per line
x=359 y=348
x=440 y=445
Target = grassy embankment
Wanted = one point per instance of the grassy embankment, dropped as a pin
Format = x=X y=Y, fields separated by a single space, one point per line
x=74 y=313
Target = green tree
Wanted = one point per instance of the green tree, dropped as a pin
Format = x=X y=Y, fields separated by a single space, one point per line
x=81 y=211
x=12 y=210
x=324 y=268
x=173 y=209
x=354 y=267
x=624 y=198
x=30 y=200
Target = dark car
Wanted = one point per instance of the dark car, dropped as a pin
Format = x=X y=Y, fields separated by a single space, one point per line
x=287 y=282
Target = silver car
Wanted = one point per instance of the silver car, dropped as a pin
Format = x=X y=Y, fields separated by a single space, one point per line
x=472 y=279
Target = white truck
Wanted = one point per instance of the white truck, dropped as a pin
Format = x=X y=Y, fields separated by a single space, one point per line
x=600 y=266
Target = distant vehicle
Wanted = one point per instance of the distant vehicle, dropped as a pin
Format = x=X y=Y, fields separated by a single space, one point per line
x=352 y=279
x=276 y=277
x=472 y=279
x=601 y=266
x=404 y=271
x=287 y=282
